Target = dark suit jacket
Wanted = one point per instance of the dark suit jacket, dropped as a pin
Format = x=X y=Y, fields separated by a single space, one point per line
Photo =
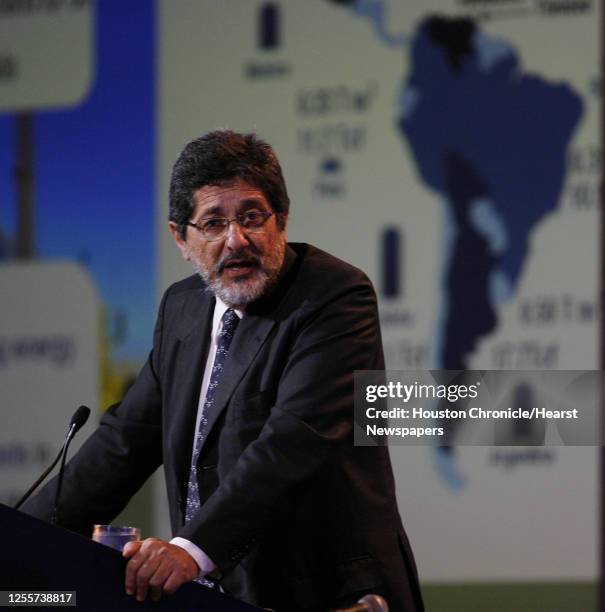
x=292 y=513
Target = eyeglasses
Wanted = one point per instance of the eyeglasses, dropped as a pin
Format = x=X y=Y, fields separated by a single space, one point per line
x=215 y=228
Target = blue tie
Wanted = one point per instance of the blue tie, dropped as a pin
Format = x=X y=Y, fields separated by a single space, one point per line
x=228 y=324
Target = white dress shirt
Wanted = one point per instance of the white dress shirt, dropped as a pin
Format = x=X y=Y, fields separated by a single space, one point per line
x=204 y=562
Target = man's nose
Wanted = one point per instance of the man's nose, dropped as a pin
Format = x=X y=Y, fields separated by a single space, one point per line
x=236 y=236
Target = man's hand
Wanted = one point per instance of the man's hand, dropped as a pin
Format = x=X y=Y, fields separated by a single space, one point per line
x=156 y=566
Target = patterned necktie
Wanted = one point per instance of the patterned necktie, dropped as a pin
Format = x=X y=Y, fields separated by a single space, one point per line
x=228 y=324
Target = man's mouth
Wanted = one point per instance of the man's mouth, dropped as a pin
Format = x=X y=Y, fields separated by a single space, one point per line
x=235 y=267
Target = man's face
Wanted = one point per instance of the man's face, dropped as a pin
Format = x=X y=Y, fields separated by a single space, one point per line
x=243 y=265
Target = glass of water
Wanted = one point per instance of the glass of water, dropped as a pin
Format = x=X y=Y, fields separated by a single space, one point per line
x=115 y=537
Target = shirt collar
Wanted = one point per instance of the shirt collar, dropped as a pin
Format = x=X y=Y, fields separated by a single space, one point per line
x=219 y=310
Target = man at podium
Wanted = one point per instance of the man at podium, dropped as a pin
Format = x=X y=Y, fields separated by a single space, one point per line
x=247 y=401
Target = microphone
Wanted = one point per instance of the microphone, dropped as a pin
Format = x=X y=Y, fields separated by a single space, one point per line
x=77 y=421
x=368 y=603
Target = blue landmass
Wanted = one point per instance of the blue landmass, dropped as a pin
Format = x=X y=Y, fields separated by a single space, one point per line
x=492 y=142
x=512 y=128
x=375 y=12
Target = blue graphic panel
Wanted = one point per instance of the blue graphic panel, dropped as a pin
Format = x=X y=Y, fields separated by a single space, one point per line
x=93 y=169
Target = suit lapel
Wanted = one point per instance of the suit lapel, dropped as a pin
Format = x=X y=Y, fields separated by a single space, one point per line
x=249 y=337
x=189 y=371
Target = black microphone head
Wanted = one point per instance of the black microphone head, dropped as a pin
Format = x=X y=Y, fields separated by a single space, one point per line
x=79 y=418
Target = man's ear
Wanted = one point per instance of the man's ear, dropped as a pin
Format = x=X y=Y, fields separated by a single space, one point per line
x=181 y=243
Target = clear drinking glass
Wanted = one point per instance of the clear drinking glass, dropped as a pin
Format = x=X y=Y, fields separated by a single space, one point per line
x=115 y=537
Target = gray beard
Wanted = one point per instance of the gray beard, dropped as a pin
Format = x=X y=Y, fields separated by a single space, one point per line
x=240 y=294
x=245 y=291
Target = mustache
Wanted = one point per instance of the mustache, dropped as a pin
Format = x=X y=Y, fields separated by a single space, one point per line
x=242 y=258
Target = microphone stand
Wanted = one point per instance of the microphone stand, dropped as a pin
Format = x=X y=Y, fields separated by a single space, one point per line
x=63 y=454
x=35 y=485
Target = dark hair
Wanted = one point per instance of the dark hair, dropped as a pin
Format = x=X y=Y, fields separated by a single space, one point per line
x=218 y=158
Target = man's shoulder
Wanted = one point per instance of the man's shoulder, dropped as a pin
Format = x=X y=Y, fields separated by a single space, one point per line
x=186 y=285
x=318 y=265
x=319 y=280
x=190 y=289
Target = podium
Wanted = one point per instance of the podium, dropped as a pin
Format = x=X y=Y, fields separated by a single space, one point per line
x=36 y=556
